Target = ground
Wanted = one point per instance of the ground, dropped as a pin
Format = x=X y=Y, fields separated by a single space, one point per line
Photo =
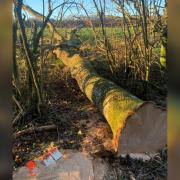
x=80 y=126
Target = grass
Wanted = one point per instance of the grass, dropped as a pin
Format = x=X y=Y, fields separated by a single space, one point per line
x=85 y=34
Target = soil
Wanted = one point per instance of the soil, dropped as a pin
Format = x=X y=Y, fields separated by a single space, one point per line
x=80 y=126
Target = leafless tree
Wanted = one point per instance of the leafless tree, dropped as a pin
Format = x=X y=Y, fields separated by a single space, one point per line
x=31 y=50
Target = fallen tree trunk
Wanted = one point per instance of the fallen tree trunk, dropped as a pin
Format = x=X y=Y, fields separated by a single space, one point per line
x=137 y=126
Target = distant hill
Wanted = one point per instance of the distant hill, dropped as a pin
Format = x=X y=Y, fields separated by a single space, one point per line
x=109 y=21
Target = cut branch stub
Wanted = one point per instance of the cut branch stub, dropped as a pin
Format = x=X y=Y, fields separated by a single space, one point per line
x=137 y=126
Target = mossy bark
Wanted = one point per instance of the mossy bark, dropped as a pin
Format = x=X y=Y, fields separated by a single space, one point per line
x=115 y=103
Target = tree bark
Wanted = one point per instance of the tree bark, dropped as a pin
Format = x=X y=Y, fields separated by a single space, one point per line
x=137 y=126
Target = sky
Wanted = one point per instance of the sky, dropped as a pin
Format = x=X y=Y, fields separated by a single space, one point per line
x=38 y=6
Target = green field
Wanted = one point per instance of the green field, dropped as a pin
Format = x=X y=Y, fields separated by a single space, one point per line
x=85 y=34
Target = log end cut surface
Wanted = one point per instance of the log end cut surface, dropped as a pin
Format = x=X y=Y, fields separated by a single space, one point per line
x=145 y=131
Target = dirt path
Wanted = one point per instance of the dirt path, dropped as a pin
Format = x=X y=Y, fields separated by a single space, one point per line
x=80 y=126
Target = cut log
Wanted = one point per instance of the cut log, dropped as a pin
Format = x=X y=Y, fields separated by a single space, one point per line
x=137 y=126
x=145 y=130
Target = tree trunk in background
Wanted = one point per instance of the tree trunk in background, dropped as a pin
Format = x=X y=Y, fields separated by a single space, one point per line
x=137 y=126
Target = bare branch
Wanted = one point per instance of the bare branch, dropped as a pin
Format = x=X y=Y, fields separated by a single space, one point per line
x=36 y=43
x=18 y=7
x=41 y=17
x=34 y=129
x=49 y=5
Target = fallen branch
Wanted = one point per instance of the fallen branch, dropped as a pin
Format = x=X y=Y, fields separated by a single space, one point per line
x=34 y=129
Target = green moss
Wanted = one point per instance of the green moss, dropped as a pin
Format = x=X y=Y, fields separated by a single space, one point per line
x=115 y=103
